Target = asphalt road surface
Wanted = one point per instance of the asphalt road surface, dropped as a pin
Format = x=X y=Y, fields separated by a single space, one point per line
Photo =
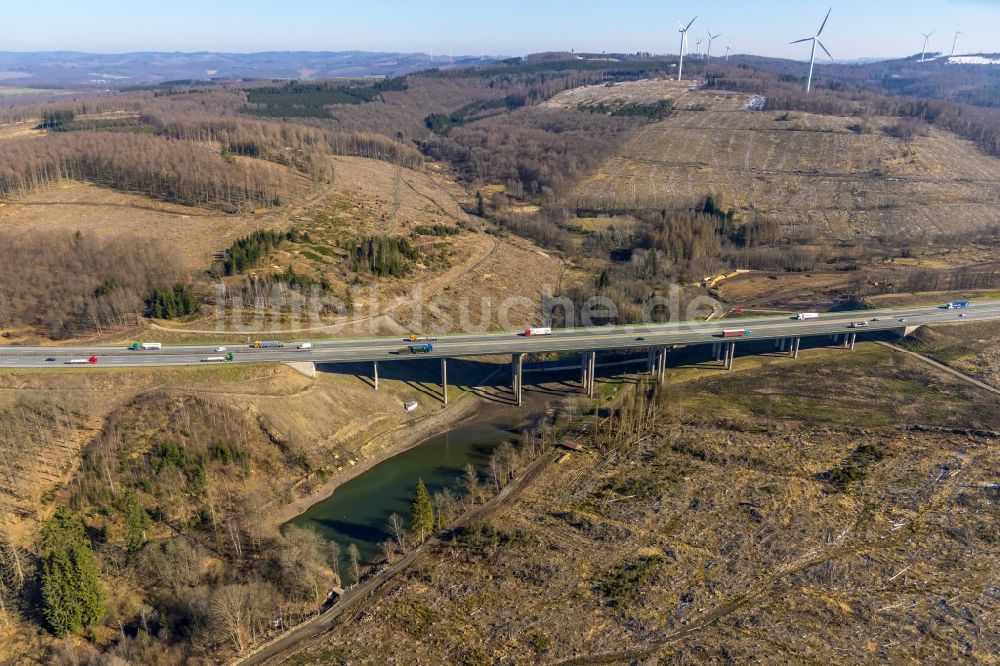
x=451 y=346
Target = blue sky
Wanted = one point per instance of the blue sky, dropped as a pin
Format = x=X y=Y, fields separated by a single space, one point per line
x=857 y=28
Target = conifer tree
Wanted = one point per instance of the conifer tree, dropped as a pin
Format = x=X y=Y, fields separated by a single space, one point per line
x=71 y=592
x=136 y=522
x=421 y=512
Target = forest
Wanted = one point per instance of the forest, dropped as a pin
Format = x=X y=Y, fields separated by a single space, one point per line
x=533 y=151
x=175 y=171
x=80 y=284
x=309 y=100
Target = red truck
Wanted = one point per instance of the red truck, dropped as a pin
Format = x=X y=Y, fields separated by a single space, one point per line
x=736 y=333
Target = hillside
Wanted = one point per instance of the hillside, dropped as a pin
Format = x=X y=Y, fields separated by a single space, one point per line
x=219 y=457
x=838 y=178
x=834 y=508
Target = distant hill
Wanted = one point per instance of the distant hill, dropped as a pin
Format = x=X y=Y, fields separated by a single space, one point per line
x=75 y=69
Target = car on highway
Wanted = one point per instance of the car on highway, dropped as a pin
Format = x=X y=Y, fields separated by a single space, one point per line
x=902 y=320
x=876 y=319
x=50 y=359
x=220 y=349
x=962 y=314
x=305 y=345
x=858 y=324
x=640 y=339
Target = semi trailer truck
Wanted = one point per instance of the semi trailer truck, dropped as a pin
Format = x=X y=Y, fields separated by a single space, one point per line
x=267 y=344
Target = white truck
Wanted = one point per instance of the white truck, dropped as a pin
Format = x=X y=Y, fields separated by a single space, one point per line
x=146 y=346
x=807 y=315
x=543 y=330
x=305 y=345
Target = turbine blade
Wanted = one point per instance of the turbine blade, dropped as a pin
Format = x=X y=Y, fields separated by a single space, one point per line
x=824 y=49
x=692 y=22
x=823 y=25
x=799 y=41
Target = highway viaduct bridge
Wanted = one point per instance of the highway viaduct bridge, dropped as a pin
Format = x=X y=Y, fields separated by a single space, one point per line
x=651 y=342
x=652 y=359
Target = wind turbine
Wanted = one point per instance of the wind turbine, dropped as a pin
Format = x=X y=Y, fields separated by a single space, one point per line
x=710 y=38
x=927 y=36
x=954 y=43
x=729 y=49
x=812 y=54
x=684 y=39
x=697 y=46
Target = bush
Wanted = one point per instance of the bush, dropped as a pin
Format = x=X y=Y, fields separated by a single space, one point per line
x=855 y=468
x=907 y=128
x=625 y=584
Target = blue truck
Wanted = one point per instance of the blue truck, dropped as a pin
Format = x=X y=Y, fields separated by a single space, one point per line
x=425 y=348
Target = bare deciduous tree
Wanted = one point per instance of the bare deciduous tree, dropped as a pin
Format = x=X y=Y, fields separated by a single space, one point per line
x=354 y=555
x=398 y=530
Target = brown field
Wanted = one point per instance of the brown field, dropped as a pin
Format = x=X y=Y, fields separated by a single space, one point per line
x=759 y=289
x=812 y=173
x=503 y=290
x=196 y=234
x=683 y=94
x=373 y=197
x=18 y=130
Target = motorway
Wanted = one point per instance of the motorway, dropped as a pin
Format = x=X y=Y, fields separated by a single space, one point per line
x=484 y=344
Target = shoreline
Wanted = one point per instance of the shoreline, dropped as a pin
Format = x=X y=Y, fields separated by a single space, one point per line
x=398 y=439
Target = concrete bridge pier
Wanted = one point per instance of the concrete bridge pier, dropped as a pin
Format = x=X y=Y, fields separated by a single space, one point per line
x=730 y=354
x=849 y=343
x=589 y=365
x=591 y=374
x=517 y=379
x=375 y=373
x=793 y=347
x=717 y=351
x=661 y=363
x=783 y=342
x=444 y=380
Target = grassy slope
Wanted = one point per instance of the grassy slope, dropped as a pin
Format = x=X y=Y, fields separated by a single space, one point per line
x=972 y=348
x=719 y=522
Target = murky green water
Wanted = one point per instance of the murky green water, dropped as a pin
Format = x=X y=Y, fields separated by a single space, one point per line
x=358 y=511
